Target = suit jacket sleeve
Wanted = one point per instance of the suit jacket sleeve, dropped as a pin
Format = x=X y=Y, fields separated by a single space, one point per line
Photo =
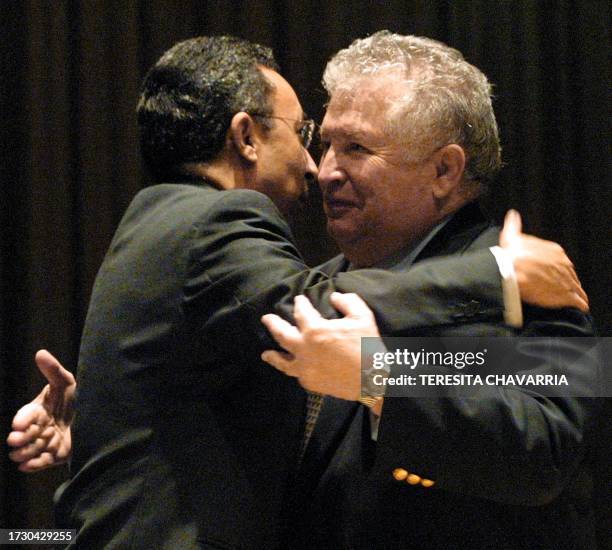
x=508 y=445
x=243 y=264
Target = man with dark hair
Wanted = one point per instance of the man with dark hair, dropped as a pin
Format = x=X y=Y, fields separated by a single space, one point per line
x=184 y=115
x=182 y=438
x=187 y=104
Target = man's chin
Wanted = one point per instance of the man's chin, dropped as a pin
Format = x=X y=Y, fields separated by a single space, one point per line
x=342 y=231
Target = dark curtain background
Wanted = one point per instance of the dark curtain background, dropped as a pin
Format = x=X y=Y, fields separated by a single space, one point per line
x=70 y=72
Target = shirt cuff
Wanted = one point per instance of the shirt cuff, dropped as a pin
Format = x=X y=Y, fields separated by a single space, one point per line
x=513 y=309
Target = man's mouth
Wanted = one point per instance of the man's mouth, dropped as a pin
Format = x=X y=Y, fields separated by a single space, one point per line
x=336 y=208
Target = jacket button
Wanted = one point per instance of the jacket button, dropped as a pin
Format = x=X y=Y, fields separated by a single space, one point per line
x=427 y=483
x=471 y=308
x=400 y=474
x=413 y=479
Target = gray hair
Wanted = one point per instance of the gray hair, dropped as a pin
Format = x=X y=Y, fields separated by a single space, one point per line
x=449 y=100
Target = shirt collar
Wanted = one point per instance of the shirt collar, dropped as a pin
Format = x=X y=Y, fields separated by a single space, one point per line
x=404 y=258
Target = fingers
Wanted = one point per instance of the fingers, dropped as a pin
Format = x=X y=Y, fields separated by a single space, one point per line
x=22 y=438
x=582 y=304
x=350 y=305
x=570 y=299
x=52 y=370
x=32 y=450
x=571 y=272
x=30 y=416
x=280 y=360
x=42 y=462
x=512 y=228
x=577 y=293
x=580 y=292
x=305 y=314
x=577 y=298
x=583 y=297
x=285 y=334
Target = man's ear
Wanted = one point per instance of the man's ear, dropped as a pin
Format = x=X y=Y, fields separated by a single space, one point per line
x=243 y=136
x=450 y=165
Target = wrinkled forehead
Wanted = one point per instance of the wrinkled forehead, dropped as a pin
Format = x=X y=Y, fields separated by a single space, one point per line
x=369 y=98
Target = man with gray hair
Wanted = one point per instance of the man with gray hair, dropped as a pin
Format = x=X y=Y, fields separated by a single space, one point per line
x=409 y=142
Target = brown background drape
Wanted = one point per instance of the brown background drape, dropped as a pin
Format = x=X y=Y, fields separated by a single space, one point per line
x=70 y=163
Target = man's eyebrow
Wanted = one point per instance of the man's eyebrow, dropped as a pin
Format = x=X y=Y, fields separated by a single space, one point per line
x=350 y=135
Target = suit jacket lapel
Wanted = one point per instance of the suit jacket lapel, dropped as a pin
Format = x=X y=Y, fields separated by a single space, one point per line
x=458 y=234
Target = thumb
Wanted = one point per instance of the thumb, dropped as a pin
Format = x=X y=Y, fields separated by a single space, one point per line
x=512 y=228
x=350 y=305
x=52 y=370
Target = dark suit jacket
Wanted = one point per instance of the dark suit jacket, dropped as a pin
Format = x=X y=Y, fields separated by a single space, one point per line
x=509 y=468
x=182 y=438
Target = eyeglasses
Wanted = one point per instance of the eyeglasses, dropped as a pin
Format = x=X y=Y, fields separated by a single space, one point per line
x=305 y=131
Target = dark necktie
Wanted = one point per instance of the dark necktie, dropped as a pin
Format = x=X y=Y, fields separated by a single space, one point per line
x=314 y=402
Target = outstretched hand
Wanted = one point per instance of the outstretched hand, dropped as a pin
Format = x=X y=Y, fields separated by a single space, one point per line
x=545 y=275
x=41 y=429
x=324 y=355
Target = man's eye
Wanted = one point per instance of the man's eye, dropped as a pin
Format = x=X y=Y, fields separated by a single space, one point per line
x=353 y=147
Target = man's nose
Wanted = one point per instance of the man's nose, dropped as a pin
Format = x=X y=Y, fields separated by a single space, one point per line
x=329 y=171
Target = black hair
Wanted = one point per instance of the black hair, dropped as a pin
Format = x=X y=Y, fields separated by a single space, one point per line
x=190 y=95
